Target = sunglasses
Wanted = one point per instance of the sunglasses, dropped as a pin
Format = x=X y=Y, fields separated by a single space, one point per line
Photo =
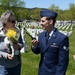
x=12 y=21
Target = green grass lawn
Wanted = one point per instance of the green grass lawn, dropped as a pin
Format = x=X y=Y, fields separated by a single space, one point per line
x=30 y=60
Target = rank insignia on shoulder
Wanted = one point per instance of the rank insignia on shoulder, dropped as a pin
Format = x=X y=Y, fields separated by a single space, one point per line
x=65 y=48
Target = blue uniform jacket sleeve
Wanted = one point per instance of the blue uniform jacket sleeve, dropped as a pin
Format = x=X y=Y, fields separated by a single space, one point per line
x=63 y=57
x=35 y=50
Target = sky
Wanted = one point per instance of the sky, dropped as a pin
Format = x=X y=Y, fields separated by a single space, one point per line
x=63 y=4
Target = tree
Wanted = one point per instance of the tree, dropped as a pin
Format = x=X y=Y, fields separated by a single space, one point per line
x=53 y=7
x=35 y=14
x=22 y=14
x=72 y=11
x=12 y=3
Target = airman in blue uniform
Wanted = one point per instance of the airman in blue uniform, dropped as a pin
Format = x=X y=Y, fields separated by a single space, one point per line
x=55 y=53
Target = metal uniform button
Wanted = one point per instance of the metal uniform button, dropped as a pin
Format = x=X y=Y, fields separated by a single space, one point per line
x=43 y=63
x=44 y=57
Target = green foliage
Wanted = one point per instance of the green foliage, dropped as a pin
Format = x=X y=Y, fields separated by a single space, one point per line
x=6 y=4
x=30 y=61
x=53 y=7
x=35 y=14
x=67 y=14
x=71 y=67
x=22 y=14
x=18 y=7
x=1 y=11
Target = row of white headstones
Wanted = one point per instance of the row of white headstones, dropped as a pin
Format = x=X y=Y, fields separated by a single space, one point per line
x=66 y=29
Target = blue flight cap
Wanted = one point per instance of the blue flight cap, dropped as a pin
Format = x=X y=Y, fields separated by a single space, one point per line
x=48 y=13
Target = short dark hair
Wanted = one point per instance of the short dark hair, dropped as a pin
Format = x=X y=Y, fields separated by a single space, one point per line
x=49 y=18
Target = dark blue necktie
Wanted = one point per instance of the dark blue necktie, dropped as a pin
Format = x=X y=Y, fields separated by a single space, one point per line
x=47 y=37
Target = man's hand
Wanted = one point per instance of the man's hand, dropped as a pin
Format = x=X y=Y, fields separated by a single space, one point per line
x=34 y=42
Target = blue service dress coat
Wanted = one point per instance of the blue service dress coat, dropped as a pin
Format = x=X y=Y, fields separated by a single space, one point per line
x=54 y=55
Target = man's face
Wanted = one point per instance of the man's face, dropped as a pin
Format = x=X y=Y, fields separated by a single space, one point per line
x=45 y=23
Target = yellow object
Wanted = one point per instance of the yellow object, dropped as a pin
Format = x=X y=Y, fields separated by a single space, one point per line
x=12 y=35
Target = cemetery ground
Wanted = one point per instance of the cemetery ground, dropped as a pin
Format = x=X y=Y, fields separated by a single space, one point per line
x=30 y=61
